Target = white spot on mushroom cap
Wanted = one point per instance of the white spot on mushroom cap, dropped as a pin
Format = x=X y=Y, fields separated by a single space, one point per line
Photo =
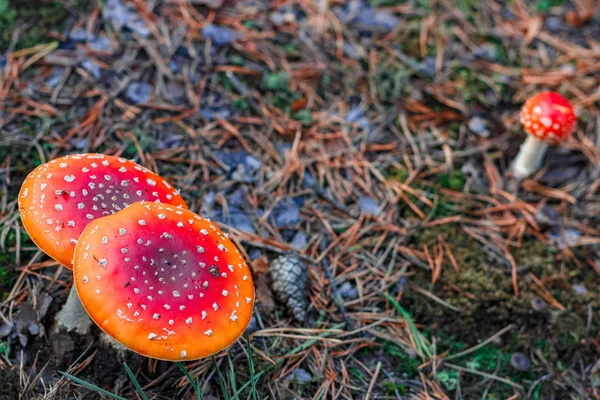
x=547 y=122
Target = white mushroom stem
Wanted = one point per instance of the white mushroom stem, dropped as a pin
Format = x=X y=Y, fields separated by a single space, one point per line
x=73 y=316
x=530 y=157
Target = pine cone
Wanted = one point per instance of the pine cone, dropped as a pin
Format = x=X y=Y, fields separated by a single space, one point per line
x=289 y=279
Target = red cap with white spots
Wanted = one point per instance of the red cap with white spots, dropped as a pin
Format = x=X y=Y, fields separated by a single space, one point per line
x=59 y=198
x=549 y=117
x=164 y=282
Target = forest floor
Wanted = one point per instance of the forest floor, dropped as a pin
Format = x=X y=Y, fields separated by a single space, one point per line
x=374 y=139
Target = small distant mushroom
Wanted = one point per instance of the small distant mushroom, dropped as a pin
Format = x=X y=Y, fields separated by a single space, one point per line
x=163 y=282
x=548 y=118
x=61 y=197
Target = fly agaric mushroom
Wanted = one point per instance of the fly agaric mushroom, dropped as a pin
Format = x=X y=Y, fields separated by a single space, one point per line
x=59 y=198
x=163 y=282
x=547 y=118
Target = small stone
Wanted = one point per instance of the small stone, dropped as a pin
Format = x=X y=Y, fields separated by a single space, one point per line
x=213 y=112
x=284 y=15
x=255 y=254
x=376 y=21
x=554 y=23
x=285 y=213
x=347 y=291
x=34 y=329
x=80 y=35
x=299 y=375
x=560 y=175
x=299 y=240
x=116 y=12
x=520 y=362
x=138 y=92
x=220 y=36
x=136 y=24
x=538 y=304
x=568 y=239
x=231 y=159
x=236 y=219
x=478 y=126
x=92 y=67
x=368 y=205
x=355 y=113
x=252 y=162
x=487 y=51
x=123 y=15
x=252 y=325
x=237 y=199
x=579 y=289
x=353 y=51
x=101 y=44
x=547 y=215
x=175 y=93
x=56 y=75
x=5 y=329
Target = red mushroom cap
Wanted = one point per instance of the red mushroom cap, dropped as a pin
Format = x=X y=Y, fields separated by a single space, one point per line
x=549 y=117
x=163 y=281
x=59 y=198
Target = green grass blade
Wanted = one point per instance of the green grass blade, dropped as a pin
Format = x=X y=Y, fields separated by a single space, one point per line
x=251 y=370
x=222 y=382
x=232 y=378
x=257 y=377
x=321 y=394
x=193 y=382
x=135 y=382
x=89 y=386
x=295 y=350
x=310 y=342
x=420 y=342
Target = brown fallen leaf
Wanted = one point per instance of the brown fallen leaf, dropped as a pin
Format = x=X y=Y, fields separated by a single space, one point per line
x=264 y=295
